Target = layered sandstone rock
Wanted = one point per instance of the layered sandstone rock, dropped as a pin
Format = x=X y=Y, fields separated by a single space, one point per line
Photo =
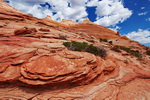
x=35 y=65
x=25 y=30
x=68 y=22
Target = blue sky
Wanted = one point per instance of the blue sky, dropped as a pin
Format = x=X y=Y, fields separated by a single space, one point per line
x=129 y=17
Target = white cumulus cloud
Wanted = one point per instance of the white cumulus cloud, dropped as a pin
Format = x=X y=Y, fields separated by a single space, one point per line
x=111 y=12
x=39 y=11
x=24 y=5
x=115 y=28
x=142 y=36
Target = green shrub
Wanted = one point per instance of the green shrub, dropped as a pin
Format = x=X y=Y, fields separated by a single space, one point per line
x=116 y=48
x=148 y=52
x=103 y=40
x=78 y=46
x=135 y=53
x=83 y=46
x=75 y=46
x=67 y=44
x=102 y=52
x=92 y=49
x=124 y=48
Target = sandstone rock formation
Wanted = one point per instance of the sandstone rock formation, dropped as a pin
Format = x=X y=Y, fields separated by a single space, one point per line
x=25 y=30
x=35 y=65
x=87 y=21
x=68 y=22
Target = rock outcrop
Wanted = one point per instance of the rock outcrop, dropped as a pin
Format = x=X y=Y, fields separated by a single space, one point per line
x=87 y=21
x=35 y=65
x=68 y=22
x=25 y=30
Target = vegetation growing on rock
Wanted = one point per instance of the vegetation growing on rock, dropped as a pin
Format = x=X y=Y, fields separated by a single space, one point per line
x=83 y=46
x=103 y=40
x=135 y=53
x=116 y=48
x=35 y=65
x=148 y=52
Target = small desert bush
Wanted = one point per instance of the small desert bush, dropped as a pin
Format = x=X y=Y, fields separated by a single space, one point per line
x=116 y=48
x=62 y=37
x=124 y=48
x=103 y=40
x=135 y=53
x=75 y=46
x=83 y=46
x=67 y=44
x=98 y=51
x=148 y=52
x=102 y=52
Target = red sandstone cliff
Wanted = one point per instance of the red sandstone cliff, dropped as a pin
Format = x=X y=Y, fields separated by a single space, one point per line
x=35 y=65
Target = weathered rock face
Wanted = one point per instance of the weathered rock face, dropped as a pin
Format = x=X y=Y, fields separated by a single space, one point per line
x=68 y=22
x=34 y=63
x=25 y=30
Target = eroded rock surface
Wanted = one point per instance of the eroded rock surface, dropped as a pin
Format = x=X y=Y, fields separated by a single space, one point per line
x=35 y=65
x=25 y=30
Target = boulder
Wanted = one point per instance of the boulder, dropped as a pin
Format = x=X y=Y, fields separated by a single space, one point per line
x=25 y=30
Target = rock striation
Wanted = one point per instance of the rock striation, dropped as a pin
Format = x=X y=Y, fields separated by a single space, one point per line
x=35 y=65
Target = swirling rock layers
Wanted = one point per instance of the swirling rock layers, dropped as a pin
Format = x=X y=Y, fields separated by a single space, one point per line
x=35 y=65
